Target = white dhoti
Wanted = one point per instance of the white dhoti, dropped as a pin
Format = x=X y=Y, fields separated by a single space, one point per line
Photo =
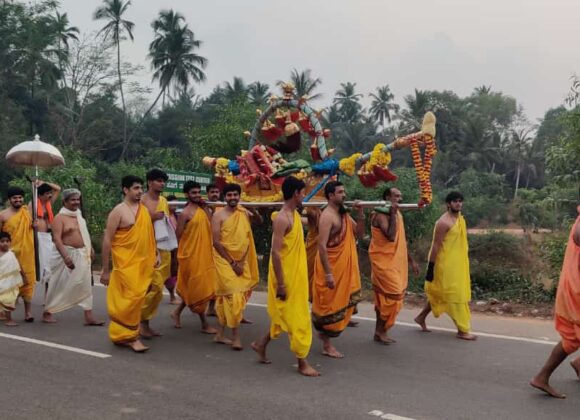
x=45 y=250
x=10 y=281
x=68 y=288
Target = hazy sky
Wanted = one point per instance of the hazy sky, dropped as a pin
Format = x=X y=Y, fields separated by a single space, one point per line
x=525 y=48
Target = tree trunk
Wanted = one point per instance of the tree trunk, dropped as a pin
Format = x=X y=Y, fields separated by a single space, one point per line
x=519 y=170
x=122 y=98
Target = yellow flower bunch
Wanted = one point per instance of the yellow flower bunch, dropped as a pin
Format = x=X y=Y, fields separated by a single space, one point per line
x=300 y=175
x=348 y=165
x=221 y=166
x=379 y=157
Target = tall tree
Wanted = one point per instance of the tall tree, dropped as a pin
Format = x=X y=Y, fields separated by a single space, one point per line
x=172 y=54
x=348 y=102
x=237 y=91
x=305 y=84
x=113 y=11
x=382 y=107
x=258 y=93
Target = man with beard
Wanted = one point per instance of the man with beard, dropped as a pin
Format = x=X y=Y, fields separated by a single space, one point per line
x=389 y=260
x=196 y=274
x=448 y=282
x=336 y=287
x=213 y=194
x=288 y=281
x=47 y=195
x=158 y=209
x=130 y=238
x=236 y=263
x=70 y=262
x=17 y=222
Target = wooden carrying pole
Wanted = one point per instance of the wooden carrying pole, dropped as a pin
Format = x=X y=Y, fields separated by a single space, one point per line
x=266 y=204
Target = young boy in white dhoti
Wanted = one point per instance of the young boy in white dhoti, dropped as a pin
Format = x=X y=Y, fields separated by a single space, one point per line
x=70 y=262
x=11 y=278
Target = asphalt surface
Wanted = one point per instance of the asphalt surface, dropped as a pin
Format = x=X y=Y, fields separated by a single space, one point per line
x=187 y=376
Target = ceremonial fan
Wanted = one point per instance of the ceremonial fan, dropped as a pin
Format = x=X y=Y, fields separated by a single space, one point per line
x=37 y=154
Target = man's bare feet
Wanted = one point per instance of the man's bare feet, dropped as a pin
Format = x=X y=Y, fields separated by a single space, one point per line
x=261 y=350
x=237 y=345
x=209 y=330
x=353 y=324
x=176 y=319
x=47 y=318
x=147 y=332
x=174 y=301
x=28 y=318
x=466 y=336
x=222 y=340
x=11 y=323
x=138 y=347
x=576 y=366
x=383 y=339
x=247 y=321
x=545 y=387
x=330 y=351
x=304 y=368
x=422 y=324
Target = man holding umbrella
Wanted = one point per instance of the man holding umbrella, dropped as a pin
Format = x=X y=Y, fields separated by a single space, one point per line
x=16 y=221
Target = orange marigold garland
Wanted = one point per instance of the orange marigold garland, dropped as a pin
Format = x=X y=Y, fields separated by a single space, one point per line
x=423 y=167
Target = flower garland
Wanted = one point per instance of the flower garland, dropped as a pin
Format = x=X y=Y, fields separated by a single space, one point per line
x=262 y=199
x=348 y=165
x=379 y=157
x=423 y=168
x=222 y=167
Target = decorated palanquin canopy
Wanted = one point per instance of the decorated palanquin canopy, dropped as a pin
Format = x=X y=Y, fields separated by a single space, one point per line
x=279 y=130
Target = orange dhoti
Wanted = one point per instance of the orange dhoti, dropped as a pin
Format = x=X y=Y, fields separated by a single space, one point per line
x=133 y=252
x=567 y=315
x=19 y=227
x=332 y=309
x=390 y=272
x=196 y=275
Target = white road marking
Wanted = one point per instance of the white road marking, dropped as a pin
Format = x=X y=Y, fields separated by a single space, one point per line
x=56 y=346
x=387 y=416
x=540 y=340
x=480 y=334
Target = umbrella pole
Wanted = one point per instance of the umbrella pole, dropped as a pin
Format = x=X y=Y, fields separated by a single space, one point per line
x=34 y=219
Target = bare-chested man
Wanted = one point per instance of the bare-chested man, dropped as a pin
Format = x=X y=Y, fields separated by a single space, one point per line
x=70 y=262
x=47 y=195
x=17 y=221
x=336 y=285
x=448 y=282
x=130 y=238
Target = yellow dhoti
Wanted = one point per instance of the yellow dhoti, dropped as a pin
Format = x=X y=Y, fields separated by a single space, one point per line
x=450 y=290
x=19 y=227
x=231 y=289
x=389 y=272
x=332 y=309
x=196 y=275
x=133 y=252
x=291 y=315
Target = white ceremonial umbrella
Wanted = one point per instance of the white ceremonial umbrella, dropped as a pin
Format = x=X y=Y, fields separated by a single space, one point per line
x=35 y=153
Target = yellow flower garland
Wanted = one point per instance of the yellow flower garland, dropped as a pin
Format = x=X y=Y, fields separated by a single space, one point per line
x=379 y=157
x=348 y=165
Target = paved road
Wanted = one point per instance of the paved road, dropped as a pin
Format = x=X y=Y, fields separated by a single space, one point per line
x=186 y=376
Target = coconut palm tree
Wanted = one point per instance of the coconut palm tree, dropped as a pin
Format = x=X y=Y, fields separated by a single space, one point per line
x=112 y=11
x=236 y=91
x=348 y=101
x=172 y=54
x=417 y=106
x=304 y=84
x=258 y=93
x=382 y=107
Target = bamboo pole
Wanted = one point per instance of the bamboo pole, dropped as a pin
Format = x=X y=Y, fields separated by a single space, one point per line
x=266 y=204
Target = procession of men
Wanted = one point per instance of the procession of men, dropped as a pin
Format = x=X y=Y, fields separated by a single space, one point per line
x=210 y=253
